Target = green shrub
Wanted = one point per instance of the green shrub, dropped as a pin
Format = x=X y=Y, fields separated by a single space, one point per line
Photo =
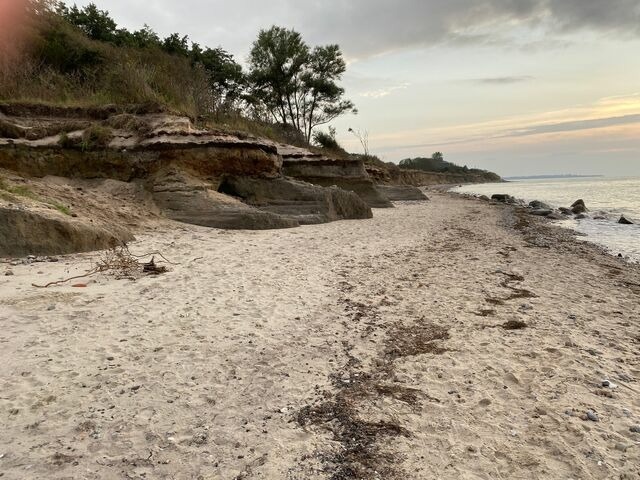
x=96 y=136
x=327 y=140
x=66 y=50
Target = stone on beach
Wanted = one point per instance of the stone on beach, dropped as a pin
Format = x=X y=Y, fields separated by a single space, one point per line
x=503 y=197
x=538 y=205
x=625 y=221
x=400 y=193
x=541 y=212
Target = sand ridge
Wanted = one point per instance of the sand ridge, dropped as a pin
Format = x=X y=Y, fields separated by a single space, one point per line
x=359 y=349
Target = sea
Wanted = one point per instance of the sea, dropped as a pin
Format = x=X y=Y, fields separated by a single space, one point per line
x=605 y=197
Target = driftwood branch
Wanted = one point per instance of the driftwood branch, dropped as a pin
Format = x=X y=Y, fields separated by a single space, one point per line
x=120 y=262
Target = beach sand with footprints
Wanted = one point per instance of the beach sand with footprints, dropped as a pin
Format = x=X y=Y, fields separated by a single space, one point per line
x=449 y=339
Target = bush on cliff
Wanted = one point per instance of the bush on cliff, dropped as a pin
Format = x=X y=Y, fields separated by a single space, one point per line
x=327 y=141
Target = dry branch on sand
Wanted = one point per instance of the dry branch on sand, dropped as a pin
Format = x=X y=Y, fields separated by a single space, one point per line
x=120 y=263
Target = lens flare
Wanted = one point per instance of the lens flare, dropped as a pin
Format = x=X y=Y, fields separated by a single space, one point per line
x=13 y=27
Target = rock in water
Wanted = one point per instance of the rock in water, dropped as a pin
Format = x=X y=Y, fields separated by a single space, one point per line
x=565 y=211
x=578 y=207
x=625 y=221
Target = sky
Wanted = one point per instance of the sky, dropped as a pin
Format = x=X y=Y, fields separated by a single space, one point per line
x=519 y=87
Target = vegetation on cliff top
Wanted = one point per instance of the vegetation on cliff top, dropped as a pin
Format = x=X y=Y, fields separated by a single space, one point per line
x=437 y=163
x=79 y=56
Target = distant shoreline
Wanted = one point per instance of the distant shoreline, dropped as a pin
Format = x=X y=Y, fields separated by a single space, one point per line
x=546 y=177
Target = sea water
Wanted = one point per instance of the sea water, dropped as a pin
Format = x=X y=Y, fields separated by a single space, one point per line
x=605 y=197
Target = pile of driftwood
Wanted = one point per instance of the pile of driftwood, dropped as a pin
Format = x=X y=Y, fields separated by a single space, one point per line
x=120 y=263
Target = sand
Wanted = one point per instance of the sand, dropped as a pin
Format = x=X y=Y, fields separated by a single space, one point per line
x=357 y=349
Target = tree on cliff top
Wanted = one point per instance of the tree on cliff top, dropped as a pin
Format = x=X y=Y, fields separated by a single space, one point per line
x=297 y=86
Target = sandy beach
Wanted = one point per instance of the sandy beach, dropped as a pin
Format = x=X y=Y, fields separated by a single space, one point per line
x=449 y=339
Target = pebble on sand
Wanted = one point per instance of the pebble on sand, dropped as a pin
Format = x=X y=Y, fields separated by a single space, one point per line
x=592 y=416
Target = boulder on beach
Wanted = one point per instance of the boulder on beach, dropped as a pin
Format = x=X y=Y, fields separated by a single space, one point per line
x=565 y=211
x=578 y=207
x=581 y=216
x=537 y=204
x=399 y=193
x=541 y=212
x=503 y=198
x=625 y=221
x=556 y=216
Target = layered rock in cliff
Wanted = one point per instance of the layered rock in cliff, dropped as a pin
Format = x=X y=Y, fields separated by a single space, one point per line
x=348 y=174
x=126 y=147
x=175 y=168
x=301 y=201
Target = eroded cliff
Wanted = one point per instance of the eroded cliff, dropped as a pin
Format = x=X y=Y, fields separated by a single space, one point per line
x=177 y=172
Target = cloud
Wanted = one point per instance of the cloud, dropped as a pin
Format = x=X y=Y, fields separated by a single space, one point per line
x=373 y=27
x=620 y=114
x=383 y=92
x=370 y=27
x=502 y=80
x=573 y=126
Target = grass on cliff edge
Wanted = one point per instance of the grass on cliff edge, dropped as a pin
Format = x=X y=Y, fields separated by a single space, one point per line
x=64 y=67
x=9 y=192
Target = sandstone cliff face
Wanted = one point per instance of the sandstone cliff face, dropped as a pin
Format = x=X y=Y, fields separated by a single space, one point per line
x=348 y=174
x=418 y=178
x=149 y=144
x=187 y=199
x=176 y=169
x=26 y=232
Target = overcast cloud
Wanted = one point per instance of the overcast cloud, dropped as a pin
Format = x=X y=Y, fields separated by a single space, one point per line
x=371 y=27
